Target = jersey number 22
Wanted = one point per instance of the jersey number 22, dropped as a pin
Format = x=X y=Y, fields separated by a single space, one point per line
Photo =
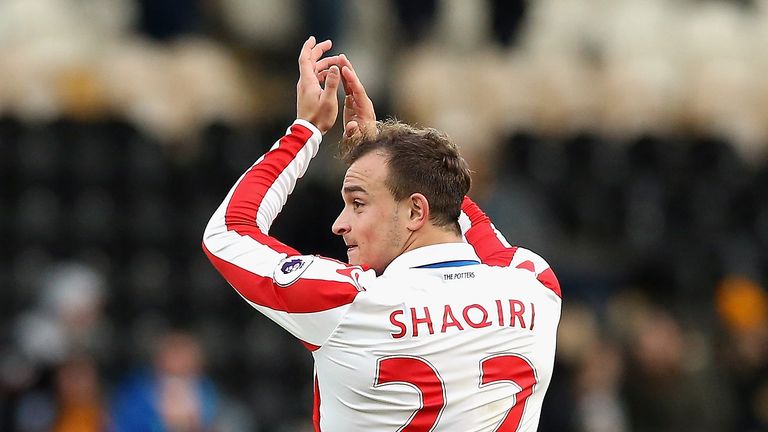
x=420 y=374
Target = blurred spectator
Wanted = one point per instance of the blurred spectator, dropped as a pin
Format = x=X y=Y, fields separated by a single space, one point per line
x=670 y=384
x=48 y=373
x=79 y=397
x=600 y=407
x=174 y=394
x=743 y=308
x=68 y=316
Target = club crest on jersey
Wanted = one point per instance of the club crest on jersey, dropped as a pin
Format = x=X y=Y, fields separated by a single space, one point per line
x=290 y=269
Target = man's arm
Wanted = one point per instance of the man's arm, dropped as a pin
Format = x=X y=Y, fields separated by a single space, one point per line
x=304 y=294
x=493 y=249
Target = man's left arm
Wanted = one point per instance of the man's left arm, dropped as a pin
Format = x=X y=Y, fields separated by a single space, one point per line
x=493 y=249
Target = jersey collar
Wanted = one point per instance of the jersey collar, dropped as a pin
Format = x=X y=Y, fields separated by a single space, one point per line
x=432 y=254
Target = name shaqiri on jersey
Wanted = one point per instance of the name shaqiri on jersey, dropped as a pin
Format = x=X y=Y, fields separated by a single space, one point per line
x=427 y=320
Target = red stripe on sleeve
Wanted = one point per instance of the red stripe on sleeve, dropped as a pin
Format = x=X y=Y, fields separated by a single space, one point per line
x=247 y=198
x=528 y=265
x=303 y=296
x=549 y=280
x=253 y=232
x=483 y=238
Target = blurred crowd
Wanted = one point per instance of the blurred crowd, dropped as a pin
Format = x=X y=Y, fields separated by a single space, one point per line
x=623 y=140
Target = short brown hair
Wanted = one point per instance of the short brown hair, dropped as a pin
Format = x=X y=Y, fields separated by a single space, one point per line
x=420 y=160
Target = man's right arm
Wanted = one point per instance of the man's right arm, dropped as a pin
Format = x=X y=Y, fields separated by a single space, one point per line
x=306 y=295
x=303 y=294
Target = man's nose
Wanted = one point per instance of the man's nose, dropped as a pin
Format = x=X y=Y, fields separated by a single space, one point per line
x=340 y=227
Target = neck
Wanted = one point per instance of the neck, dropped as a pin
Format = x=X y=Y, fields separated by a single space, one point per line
x=431 y=235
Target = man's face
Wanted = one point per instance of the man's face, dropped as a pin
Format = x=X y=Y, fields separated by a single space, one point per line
x=373 y=225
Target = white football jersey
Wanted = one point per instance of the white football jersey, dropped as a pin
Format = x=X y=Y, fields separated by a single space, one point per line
x=451 y=337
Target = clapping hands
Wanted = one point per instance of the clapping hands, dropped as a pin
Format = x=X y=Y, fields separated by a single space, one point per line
x=319 y=105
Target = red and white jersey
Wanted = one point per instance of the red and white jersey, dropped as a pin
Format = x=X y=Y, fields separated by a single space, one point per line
x=451 y=337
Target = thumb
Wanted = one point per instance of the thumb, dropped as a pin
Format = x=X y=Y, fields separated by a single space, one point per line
x=350 y=128
x=332 y=82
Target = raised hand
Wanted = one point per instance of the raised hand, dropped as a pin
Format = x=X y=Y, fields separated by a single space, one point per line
x=314 y=103
x=359 y=115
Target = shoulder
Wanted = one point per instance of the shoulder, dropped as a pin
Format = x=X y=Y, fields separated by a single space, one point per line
x=292 y=269
x=526 y=259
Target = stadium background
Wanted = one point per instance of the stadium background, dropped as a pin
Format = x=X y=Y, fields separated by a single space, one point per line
x=624 y=140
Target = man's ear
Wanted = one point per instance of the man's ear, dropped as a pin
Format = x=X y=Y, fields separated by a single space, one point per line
x=418 y=211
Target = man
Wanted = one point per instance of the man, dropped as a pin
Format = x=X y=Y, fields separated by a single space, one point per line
x=420 y=331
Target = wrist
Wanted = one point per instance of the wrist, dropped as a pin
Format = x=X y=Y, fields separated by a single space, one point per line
x=309 y=125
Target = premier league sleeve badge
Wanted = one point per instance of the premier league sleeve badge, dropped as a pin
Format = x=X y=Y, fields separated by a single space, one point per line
x=291 y=268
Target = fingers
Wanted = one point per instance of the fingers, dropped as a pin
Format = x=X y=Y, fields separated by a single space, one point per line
x=310 y=53
x=328 y=107
x=344 y=62
x=351 y=109
x=333 y=79
x=305 y=57
x=355 y=87
x=349 y=104
x=315 y=103
x=320 y=49
x=325 y=63
x=350 y=128
x=351 y=79
x=322 y=65
x=331 y=85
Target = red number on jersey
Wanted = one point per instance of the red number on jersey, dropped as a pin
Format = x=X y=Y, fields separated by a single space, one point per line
x=420 y=374
x=511 y=369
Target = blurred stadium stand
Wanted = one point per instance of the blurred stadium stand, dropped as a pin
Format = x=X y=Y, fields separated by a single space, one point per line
x=649 y=199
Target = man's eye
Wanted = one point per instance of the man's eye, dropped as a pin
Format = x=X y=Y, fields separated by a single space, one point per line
x=356 y=204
